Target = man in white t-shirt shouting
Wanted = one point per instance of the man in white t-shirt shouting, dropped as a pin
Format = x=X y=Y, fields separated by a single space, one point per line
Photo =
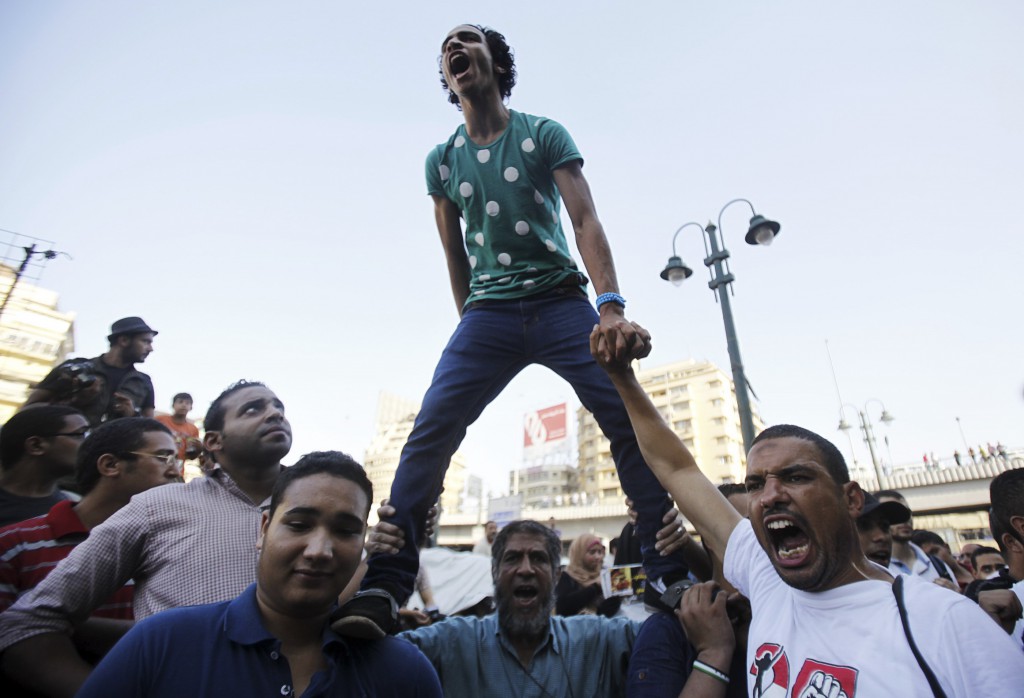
x=825 y=619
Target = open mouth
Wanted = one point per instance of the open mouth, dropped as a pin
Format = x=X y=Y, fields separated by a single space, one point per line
x=525 y=595
x=789 y=540
x=458 y=64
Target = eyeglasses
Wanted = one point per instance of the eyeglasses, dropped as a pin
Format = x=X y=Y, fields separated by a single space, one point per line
x=73 y=434
x=165 y=458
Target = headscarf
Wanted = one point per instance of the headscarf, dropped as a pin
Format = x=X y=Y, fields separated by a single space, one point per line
x=576 y=567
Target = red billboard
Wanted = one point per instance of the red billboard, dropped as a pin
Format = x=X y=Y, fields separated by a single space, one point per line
x=545 y=426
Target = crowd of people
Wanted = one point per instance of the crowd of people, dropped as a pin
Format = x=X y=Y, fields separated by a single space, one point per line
x=251 y=578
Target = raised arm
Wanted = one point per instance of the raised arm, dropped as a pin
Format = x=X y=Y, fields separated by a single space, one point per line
x=620 y=335
x=446 y=215
x=695 y=496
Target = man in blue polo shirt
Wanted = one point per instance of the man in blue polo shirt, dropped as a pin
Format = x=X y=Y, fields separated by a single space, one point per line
x=274 y=639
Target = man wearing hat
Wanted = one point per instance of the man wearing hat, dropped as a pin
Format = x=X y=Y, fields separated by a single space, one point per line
x=873 y=527
x=108 y=386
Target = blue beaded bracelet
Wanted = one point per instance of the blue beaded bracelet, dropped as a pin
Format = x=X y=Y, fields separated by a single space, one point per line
x=610 y=298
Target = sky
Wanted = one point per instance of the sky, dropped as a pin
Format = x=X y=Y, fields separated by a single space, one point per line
x=248 y=177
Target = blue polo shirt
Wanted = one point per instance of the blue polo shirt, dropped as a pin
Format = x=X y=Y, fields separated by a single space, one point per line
x=223 y=649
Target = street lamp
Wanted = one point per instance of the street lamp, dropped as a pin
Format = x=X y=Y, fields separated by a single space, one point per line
x=867 y=428
x=760 y=232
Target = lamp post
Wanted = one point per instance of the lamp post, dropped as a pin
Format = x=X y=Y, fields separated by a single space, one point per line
x=761 y=232
x=867 y=428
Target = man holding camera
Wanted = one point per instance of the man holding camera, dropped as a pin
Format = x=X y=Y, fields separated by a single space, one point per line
x=108 y=386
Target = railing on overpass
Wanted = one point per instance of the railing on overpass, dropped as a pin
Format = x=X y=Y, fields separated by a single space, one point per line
x=927 y=490
x=927 y=477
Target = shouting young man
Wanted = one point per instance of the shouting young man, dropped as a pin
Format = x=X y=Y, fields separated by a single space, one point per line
x=497 y=184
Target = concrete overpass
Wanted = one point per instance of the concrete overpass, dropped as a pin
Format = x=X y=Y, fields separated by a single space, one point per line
x=935 y=495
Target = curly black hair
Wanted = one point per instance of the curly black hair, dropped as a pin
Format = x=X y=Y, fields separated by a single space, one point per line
x=501 y=54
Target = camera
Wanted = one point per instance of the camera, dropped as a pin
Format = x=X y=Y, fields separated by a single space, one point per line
x=81 y=373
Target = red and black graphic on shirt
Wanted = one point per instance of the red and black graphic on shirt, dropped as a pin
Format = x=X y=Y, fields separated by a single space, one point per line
x=770 y=670
x=820 y=679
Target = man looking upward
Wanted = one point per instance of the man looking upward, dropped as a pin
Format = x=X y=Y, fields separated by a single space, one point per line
x=182 y=544
x=522 y=301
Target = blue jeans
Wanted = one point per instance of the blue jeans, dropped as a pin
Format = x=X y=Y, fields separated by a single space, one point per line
x=494 y=341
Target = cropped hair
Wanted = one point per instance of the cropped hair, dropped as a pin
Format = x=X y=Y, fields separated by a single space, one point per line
x=982 y=550
x=834 y=461
x=214 y=420
x=34 y=420
x=1006 y=494
x=118 y=437
x=998 y=528
x=728 y=489
x=182 y=396
x=531 y=528
x=921 y=538
x=502 y=56
x=333 y=463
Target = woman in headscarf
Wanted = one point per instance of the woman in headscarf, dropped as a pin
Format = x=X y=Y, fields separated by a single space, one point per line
x=578 y=591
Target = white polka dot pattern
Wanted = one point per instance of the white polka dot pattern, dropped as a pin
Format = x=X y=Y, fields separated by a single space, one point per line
x=466 y=189
x=522 y=227
x=492 y=208
x=483 y=155
x=511 y=174
x=504 y=259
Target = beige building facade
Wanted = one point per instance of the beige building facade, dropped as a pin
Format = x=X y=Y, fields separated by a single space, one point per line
x=34 y=337
x=395 y=418
x=698 y=401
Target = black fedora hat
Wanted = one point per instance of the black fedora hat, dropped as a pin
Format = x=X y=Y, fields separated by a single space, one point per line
x=129 y=325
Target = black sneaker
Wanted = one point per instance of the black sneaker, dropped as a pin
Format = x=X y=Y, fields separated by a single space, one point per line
x=369 y=615
x=658 y=601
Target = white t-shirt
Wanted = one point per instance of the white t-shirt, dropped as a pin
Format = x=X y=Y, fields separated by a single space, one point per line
x=1018 y=630
x=802 y=644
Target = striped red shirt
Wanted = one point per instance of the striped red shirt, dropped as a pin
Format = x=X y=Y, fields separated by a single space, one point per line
x=30 y=549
